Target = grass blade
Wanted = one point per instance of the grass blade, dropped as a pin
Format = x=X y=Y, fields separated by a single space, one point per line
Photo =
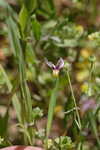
x=94 y=127
x=15 y=100
x=18 y=51
x=51 y=107
x=78 y=121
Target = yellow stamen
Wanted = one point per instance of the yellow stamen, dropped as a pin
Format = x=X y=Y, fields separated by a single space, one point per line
x=55 y=73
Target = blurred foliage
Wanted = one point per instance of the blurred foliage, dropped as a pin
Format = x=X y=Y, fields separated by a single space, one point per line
x=62 y=143
x=31 y=31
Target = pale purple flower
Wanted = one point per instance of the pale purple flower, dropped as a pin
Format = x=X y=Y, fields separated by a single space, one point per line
x=56 y=68
x=87 y=104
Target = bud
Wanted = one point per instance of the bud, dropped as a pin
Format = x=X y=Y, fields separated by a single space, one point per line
x=92 y=59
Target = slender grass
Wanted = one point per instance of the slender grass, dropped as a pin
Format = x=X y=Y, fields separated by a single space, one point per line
x=80 y=146
x=15 y=100
x=74 y=100
x=52 y=104
x=94 y=127
x=90 y=114
x=25 y=102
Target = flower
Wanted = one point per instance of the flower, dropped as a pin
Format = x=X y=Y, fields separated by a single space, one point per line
x=56 y=68
x=87 y=103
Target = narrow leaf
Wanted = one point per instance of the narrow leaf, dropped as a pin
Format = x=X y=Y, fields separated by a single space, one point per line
x=23 y=18
x=31 y=5
x=36 y=28
x=15 y=100
x=51 y=107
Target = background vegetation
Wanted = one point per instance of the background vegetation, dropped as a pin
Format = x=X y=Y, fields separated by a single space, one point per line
x=30 y=32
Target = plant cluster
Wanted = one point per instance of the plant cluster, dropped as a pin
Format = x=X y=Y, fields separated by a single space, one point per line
x=49 y=73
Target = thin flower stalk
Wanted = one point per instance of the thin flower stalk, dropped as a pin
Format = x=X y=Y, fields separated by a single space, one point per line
x=74 y=100
x=56 y=69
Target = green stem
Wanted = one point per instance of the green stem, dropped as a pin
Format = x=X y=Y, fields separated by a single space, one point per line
x=94 y=127
x=51 y=108
x=76 y=108
x=90 y=114
x=90 y=79
x=15 y=99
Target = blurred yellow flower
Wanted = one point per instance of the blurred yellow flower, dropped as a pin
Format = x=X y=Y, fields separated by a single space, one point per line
x=80 y=28
x=86 y=52
x=84 y=87
x=82 y=65
x=58 y=108
x=59 y=111
x=82 y=75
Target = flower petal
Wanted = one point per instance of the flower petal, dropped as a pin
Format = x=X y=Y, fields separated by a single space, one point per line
x=50 y=64
x=60 y=64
